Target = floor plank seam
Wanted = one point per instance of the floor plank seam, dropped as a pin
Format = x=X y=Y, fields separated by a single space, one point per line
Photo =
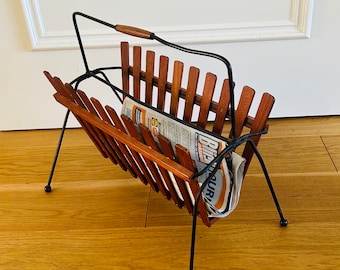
x=147 y=208
x=329 y=154
x=297 y=174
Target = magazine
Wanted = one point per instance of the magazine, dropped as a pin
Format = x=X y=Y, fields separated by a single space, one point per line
x=222 y=193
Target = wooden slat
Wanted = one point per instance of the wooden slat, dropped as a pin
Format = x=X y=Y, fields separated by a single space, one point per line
x=150 y=67
x=131 y=155
x=67 y=91
x=208 y=91
x=165 y=143
x=103 y=139
x=243 y=108
x=155 y=170
x=262 y=114
x=64 y=89
x=190 y=93
x=176 y=86
x=260 y=120
x=169 y=152
x=92 y=135
x=185 y=159
x=162 y=81
x=144 y=163
x=56 y=83
x=124 y=51
x=137 y=65
x=222 y=108
x=120 y=150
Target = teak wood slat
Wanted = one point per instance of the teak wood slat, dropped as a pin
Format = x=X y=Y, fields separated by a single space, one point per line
x=131 y=155
x=144 y=165
x=208 y=91
x=162 y=81
x=166 y=149
x=137 y=55
x=163 y=176
x=184 y=158
x=190 y=93
x=150 y=67
x=176 y=86
x=222 y=109
x=120 y=150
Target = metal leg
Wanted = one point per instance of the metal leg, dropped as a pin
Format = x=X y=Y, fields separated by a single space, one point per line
x=48 y=186
x=283 y=221
x=193 y=237
x=194 y=215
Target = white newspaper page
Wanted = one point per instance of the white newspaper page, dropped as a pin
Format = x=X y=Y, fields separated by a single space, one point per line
x=203 y=148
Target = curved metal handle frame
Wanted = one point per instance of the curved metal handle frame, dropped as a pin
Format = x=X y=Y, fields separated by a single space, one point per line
x=141 y=33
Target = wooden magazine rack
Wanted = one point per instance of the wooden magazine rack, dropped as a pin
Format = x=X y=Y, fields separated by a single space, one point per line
x=167 y=168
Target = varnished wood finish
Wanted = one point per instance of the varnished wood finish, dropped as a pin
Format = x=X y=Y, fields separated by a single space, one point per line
x=133 y=31
x=162 y=81
x=125 y=59
x=222 y=108
x=259 y=123
x=136 y=71
x=84 y=224
x=150 y=69
x=185 y=159
x=208 y=91
x=172 y=183
x=176 y=87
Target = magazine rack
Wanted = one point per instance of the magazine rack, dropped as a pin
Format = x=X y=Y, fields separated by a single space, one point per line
x=156 y=161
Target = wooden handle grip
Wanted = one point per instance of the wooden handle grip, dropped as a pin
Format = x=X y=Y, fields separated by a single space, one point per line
x=134 y=31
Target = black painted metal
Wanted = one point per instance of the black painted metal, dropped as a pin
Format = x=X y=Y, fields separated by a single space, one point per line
x=48 y=186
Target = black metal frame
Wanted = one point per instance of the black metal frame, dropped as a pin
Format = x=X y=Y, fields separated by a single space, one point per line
x=233 y=144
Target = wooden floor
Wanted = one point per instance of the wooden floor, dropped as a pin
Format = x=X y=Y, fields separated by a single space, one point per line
x=97 y=217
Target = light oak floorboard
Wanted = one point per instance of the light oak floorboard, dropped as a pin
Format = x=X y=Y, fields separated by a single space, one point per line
x=98 y=217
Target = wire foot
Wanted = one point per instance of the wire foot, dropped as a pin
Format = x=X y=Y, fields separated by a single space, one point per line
x=48 y=188
x=283 y=222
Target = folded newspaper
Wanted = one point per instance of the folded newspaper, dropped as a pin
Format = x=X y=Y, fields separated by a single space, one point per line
x=221 y=195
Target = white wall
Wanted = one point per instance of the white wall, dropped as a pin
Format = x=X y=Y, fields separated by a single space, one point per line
x=301 y=73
